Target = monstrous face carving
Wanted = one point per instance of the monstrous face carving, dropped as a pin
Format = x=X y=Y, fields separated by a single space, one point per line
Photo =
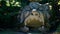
x=35 y=18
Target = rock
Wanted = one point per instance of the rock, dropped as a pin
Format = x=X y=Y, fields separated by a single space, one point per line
x=24 y=29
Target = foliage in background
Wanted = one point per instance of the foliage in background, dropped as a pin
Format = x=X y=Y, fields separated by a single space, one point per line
x=10 y=8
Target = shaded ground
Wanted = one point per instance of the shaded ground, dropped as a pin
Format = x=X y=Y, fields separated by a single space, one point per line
x=8 y=31
x=14 y=32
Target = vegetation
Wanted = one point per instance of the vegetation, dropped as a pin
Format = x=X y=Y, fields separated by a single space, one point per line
x=10 y=9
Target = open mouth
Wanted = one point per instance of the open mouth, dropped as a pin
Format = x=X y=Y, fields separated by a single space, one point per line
x=33 y=21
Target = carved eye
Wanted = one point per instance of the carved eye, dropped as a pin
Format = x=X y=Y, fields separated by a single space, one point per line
x=31 y=13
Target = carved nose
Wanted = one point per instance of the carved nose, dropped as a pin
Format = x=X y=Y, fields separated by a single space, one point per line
x=36 y=14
